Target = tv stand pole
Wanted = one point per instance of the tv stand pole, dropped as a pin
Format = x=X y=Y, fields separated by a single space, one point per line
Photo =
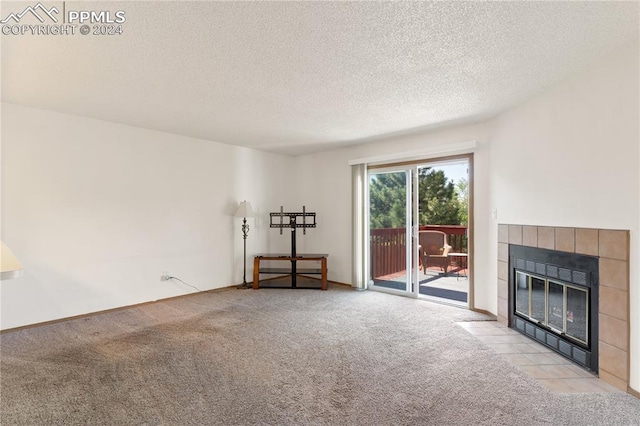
x=293 y=224
x=293 y=255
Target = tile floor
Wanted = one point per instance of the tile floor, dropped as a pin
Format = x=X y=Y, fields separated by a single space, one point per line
x=551 y=369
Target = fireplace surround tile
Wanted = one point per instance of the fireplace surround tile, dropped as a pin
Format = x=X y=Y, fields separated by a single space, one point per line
x=613 y=380
x=614 y=302
x=614 y=273
x=529 y=236
x=503 y=314
x=515 y=234
x=613 y=360
x=587 y=241
x=503 y=311
x=503 y=271
x=613 y=244
x=612 y=248
x=614 y=331
x=565 y=239
x=503 y=252
x=503 y=289
x=503 y=233
x=546 y=237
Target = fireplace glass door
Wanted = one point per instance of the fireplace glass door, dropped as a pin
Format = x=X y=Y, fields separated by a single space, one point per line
x=555 y=316
x=522 y=293
x=577 y=317
x=557 y=306
x=538 y=299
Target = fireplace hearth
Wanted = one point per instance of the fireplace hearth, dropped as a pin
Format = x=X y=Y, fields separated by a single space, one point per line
x=554 y=300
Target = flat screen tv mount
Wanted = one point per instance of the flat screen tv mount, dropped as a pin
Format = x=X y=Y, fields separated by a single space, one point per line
x=289 y=220
x=293 y=220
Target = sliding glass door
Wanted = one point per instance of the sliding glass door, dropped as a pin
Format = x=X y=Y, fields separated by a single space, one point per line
x=418 y=229
x=389 y=229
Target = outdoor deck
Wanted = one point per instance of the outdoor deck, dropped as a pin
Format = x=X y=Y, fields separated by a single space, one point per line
x=388 y=246
x=454 y=285
x=388 y=250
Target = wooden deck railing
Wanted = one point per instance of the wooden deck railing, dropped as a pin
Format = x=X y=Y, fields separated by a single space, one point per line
x=388 y=246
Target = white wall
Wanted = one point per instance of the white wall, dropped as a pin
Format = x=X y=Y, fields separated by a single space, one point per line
x=96 y=212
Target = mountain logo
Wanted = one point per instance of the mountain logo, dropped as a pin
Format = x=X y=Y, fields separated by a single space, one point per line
x=38 y=11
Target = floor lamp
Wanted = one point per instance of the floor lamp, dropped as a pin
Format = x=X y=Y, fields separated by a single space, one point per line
x=10 y=267
x=244 y=211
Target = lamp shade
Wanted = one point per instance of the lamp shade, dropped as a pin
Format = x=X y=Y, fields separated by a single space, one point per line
x=244 y=210
x=10 y=267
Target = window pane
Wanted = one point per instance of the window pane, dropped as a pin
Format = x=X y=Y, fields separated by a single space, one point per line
x=522 y=294
x=555 y=315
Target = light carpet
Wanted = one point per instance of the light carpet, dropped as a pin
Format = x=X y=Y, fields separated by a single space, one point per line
x=279 y=357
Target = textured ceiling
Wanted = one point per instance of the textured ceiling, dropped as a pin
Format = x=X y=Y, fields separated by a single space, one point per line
x=298 y=77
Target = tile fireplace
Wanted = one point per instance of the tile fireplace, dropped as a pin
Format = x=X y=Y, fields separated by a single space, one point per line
x=578 y=304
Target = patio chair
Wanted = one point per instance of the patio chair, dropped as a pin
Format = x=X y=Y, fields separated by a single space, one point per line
x=433 y=249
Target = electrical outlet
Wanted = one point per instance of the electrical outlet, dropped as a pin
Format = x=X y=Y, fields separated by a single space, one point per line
x=164 y=276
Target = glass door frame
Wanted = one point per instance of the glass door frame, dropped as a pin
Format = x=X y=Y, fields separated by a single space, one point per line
x=411 y=229
x=415 y=227
x=412 y=167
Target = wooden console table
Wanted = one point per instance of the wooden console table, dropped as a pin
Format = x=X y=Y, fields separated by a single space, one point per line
x=322 y=257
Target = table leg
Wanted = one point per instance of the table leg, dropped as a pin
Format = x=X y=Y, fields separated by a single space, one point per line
x=324 y=273
x=256 y=273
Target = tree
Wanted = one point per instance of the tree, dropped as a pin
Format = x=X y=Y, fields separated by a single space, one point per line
x=387 y=194
x=462 y=188
x=439 y=201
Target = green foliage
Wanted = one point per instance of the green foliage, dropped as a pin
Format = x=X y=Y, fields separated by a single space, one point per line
x=441 y=202
x=462 y=188
x=387 y=195
x=438 y=203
